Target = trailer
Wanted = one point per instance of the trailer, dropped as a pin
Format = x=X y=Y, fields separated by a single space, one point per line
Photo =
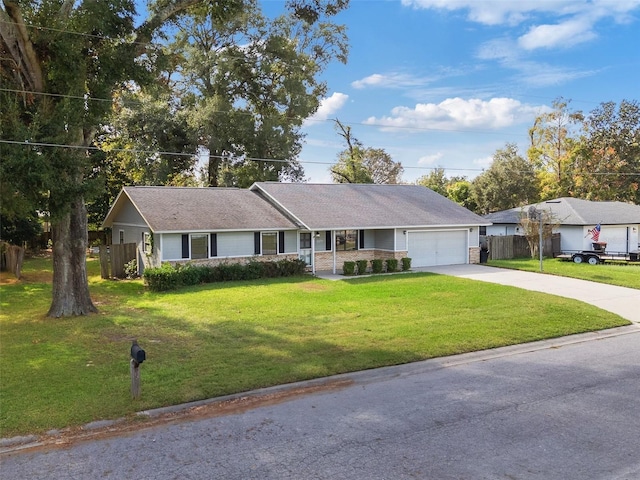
x=598 y=254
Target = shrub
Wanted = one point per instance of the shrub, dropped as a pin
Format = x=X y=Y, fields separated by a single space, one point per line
x=349 y=268
x=131 y=269
x=160 y=279
x=406 y=264
x=392 y=264
x=376 y=265
x=168 y=277
x=362 y=266
x=290 y=268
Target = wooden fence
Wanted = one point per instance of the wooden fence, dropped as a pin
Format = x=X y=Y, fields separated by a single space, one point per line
x=11 y=258
x=113 y=258
x=516 y=246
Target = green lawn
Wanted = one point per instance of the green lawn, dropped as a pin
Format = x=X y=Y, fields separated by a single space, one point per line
x=218 y=339
x=624 y=275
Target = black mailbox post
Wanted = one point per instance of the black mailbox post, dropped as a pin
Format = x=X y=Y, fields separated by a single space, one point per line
x=137 y=353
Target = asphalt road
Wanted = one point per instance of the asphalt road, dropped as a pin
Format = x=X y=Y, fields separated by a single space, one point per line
x=564 y=409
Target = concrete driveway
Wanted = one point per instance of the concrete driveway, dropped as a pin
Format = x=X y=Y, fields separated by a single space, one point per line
x=620 y=300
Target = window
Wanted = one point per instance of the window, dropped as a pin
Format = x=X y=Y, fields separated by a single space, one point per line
x=346 y=239
x=269 y=243
x=121 y=238
x=305 y=240
x=199 y=246
x=147 y=243
x=483 y=230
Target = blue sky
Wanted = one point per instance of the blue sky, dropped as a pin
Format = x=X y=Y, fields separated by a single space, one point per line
x=444 y=83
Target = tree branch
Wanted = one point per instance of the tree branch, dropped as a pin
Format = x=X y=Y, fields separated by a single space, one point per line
x=15 y=40
x=145 y=31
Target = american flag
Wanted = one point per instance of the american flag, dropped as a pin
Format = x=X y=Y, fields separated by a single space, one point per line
x=595 y=233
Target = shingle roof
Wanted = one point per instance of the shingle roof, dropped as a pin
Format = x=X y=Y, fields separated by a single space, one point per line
x=574 y=211
x=333 y=206
x=184 y=209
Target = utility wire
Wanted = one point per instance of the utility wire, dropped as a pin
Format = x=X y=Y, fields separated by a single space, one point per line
x=254 y=159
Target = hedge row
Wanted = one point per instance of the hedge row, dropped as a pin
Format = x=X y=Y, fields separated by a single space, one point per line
x=378 y=265
x=168 y=277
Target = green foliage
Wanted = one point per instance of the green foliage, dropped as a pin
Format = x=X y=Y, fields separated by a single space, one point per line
x=608 y=158
x=357 y=164
x=168 y=277
x=349 y=268
x=509 y=182
x=250 y=82
x=391 y=264
x=554 y=137
x=21 y=229
x=362 y=266
x=406 y=264
x=376 y=265
x=131 y=269
x=436 y=180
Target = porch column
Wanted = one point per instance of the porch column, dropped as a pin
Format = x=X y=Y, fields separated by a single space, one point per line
x=313 y=252
x=333 y=247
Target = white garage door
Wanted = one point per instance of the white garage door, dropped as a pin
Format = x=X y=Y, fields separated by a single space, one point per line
x=437 y=248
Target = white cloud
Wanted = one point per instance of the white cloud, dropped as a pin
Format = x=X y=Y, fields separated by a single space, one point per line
x=328 y=106
x=459 y=114
x=536 y=74
x=497 y=12
x=577 y=20
x=430 y=159
x=566 y=34
x=391 y=80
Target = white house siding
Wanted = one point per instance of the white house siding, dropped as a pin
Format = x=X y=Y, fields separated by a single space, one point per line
x=619 y=238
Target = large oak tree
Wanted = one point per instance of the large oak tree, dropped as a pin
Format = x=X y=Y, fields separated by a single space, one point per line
x=61 y=61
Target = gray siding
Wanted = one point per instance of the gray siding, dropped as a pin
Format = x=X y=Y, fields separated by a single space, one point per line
x=401 y=240
x=238 y=244
x=291 y=241
x=369 y=239
x=171 y=246
x=129 y=215
x=384 y=240
x=131 y=234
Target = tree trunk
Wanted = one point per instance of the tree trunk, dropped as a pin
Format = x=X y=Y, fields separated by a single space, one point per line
x=70 y=283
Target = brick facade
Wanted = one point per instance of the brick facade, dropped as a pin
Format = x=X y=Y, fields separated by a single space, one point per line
x=324 y=260
x=474 y=254
x=212 y=262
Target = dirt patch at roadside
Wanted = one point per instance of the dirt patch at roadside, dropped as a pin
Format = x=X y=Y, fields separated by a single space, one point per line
x=147 y=420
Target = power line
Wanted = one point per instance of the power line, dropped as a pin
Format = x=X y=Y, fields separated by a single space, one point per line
x=255 y=159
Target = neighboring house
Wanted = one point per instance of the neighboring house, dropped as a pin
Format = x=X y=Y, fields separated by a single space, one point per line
x=577 y=220
x=323 y=224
